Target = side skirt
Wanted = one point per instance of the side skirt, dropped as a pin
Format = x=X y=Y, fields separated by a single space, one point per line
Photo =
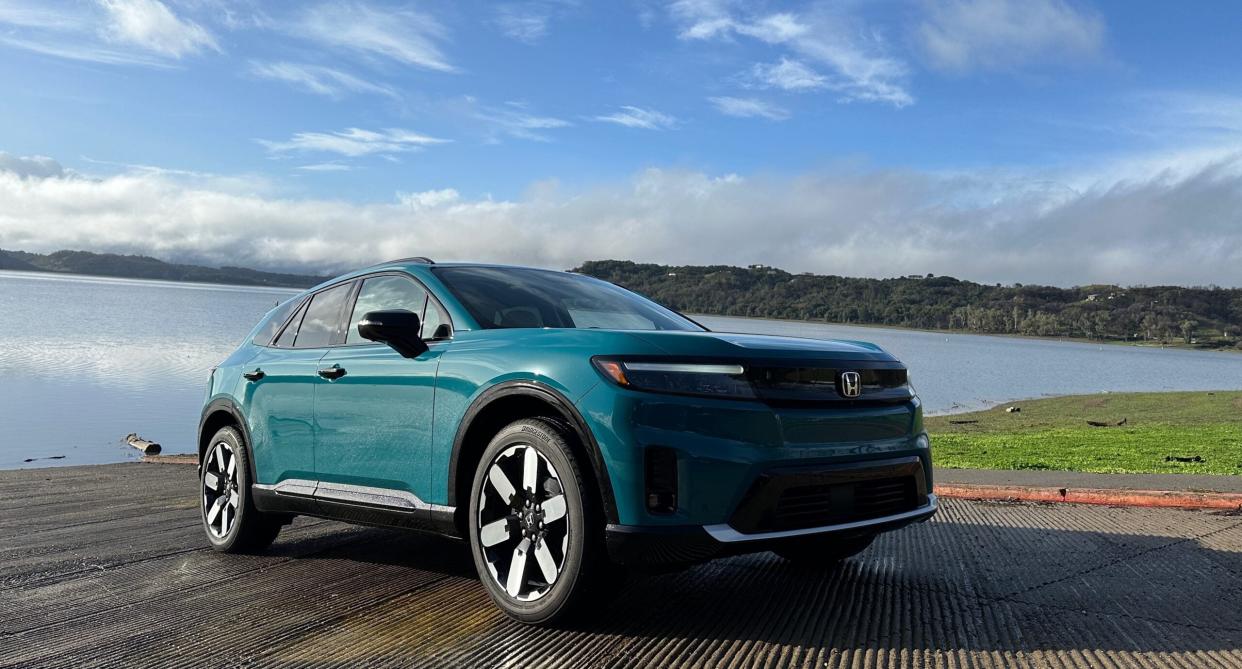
x=362 y=505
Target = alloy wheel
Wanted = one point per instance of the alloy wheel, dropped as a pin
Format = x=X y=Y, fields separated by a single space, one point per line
x=523 y=525
x=220 y=495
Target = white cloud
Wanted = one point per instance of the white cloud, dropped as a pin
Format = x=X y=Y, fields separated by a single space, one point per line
x=522 y=24
x=72 y=50
x=787 y=75
x=637 y=117
x=1104 y=225
x=964 y=35
x=151 y=25
x=514 y=119
x=40 y=167
x=749 y=108
x=861 y=67
x=354 y=142
x=317 y=79
x=325 y=167
x=401 y=35
x=43 y=16
x=429 y=199
x=110 y=32
x=530 y=21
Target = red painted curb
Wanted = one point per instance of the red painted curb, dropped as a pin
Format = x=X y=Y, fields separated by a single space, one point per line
x=180 y=459
x=1146 y=498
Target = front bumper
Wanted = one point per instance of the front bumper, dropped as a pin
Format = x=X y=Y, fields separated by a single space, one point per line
x=660 y=547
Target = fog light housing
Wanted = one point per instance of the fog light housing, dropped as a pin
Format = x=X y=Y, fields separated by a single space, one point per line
x=923 y=442
x=660 y=469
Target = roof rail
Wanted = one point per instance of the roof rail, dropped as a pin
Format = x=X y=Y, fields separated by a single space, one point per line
x=418 y=259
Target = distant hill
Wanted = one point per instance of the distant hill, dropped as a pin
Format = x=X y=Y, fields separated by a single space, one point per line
x=144 y=267
x=1204 y=317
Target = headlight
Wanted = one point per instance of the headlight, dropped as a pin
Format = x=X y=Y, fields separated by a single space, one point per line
x=706 y=379
x=922 y=442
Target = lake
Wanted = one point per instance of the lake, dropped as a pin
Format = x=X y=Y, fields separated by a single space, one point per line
x=86 y=360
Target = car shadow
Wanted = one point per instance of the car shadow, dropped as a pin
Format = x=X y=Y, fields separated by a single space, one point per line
x=949 y=586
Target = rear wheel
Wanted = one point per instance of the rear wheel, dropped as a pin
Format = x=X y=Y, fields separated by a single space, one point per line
x=232 y=523
x=826 y=552
x=535 y=531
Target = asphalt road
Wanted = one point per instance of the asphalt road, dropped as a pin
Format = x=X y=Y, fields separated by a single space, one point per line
x=106 y=566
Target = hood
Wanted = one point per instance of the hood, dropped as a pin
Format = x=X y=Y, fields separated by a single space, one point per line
x=753 y=346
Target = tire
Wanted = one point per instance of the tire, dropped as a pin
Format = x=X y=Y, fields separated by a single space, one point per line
x=509 y=524
x=230 y=520
x=825 y=552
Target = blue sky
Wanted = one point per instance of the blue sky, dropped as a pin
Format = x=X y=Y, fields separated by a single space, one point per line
x=874 y=138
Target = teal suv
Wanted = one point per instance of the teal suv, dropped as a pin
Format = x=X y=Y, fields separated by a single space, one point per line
x=568 y=429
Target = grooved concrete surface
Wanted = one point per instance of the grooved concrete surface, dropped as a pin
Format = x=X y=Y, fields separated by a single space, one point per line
x=106 y=566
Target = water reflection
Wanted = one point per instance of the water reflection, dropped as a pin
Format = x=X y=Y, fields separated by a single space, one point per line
x=84 y=361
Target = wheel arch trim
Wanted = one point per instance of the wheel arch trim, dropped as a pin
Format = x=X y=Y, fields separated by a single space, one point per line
x=227 y=406
x=568 y=412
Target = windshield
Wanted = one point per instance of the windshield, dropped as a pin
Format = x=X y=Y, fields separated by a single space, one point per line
x=506 y=297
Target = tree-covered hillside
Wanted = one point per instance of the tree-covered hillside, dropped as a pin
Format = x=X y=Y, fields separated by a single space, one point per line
x=144 y=267
x=1210 y=317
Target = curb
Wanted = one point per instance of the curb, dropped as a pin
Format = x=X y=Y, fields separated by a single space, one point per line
x=181 y=459
x=1174 y=499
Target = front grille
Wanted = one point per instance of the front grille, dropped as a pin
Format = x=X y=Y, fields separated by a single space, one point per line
x=795 y=498
x=794 y=386
x=815 y=505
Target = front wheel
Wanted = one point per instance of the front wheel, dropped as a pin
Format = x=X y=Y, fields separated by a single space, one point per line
x=232 y=523
x=535 y=531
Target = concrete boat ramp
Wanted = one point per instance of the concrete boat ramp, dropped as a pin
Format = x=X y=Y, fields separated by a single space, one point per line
x=105 y=566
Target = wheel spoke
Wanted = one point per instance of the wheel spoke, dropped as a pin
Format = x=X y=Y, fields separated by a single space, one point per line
x=530 y=470
x=494 y=532
x=215 y=510
x=220 y=458
x=517 y=569
x=233 y=500
x=232 y=465
x=501 y=483
x=554 y=509
x=546 y=563
x=224 y=519
x=211 y=481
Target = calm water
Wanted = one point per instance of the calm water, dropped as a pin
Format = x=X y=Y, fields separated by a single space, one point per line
x=85 y=361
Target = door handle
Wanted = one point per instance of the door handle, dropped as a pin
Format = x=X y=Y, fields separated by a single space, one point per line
x=254 y=376
x=332 y=373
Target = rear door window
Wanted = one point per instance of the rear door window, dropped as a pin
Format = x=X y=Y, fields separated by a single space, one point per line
x=323 y=321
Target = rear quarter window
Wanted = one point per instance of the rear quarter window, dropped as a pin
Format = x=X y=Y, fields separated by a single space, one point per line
x=275 y=319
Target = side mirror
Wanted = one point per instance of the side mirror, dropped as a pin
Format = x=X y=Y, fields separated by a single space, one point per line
x=396 y=327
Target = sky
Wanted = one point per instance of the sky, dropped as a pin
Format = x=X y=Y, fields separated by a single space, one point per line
x=1064 y=142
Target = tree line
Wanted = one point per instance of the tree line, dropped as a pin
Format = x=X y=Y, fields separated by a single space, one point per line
x=1203 y=316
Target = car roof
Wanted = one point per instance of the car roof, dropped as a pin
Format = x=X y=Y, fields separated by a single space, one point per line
x=424 y=263
x=418 y=265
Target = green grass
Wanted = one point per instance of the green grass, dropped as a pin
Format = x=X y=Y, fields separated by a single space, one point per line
x=1053 y=434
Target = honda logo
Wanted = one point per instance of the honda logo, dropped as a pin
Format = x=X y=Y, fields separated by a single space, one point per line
x=851 y=384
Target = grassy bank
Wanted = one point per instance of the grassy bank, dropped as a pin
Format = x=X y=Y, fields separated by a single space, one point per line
x=1160 y=432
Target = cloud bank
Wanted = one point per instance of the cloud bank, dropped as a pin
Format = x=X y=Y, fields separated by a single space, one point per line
x=1163 y=226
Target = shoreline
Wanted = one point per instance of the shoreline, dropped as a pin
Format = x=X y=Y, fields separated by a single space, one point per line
x=78 y=276
x=1000 y=335
x=54 y=275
